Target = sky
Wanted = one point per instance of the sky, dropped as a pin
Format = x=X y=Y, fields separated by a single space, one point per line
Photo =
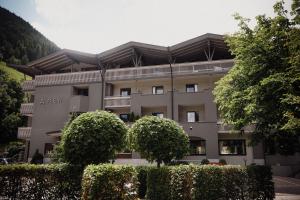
x=97 y=25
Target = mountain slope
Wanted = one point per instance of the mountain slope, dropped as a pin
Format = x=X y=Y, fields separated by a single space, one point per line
x=19 y=41
x=14 y=74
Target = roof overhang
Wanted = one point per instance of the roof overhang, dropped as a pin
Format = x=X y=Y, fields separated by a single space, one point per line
x=192 y=50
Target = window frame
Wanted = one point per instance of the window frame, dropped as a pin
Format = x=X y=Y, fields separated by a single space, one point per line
x=231 y=154
x=127 y=114
x=81 y=91
x=195 y=87
x=158 y=113
x=196 y=154
x=128 y=90
x=156 y=88
x=48 y=150
x=196 y=118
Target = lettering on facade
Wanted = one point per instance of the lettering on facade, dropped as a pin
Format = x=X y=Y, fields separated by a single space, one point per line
x=53 y=100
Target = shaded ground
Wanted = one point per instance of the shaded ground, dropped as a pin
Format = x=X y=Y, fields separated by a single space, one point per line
x=287 y=188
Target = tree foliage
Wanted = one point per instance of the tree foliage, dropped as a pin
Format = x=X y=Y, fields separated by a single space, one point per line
x=159 y=140
x=92 y=138
x=263 y=86
x=11 y=97
x=19 y=41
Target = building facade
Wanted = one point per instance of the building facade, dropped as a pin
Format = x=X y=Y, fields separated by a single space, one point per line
x=134 y=80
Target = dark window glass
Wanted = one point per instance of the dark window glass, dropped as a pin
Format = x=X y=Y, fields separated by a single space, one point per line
x=191 y=88
x=197 y=147
x=158 y=114
x=124 y=117
x=125 y=92
x=48 y=148
x=232 y=147
x=81 y=91
x=157 y=90
x=192 y=116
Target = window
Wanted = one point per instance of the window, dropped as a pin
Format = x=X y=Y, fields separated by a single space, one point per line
x=48 y=148
x=192 y=116
x=124 y=117
x=232 y=147
x=81 y=91
x=124 y=92
x=157 y=90
x=158 y=114
x=191 y=88
x=197 y=147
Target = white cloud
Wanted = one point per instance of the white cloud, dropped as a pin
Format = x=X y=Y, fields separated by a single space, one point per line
x=97 y=25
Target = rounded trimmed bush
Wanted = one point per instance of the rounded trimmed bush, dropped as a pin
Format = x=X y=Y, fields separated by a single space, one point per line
x=92 y=138
x=158 y=139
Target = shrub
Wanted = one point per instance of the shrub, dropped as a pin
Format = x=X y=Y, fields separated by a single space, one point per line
x=14 y=148
x=159 y=140
x=222 y=162
x=205 y=162
x=260 y=183
x=208 y=182
x=109 y=181
x=181 y=182
x=235 y=182
x=27 y=181
x=93 y=138
x=142 y=173
x=158 y=184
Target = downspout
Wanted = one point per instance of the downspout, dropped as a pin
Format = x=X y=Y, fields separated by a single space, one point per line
x=172 y=84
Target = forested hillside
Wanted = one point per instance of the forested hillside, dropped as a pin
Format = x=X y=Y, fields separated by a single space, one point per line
x=19 y=41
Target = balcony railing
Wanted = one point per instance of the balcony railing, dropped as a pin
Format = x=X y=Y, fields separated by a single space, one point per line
x=28 y=85
x=227 y=128
x=26 y=109
x=24 y=133
x=117 y=102
x=218 y=66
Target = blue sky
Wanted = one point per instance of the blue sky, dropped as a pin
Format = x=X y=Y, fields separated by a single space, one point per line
x=97 y=25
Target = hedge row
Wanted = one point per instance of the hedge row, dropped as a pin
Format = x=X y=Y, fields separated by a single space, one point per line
x=27 y=181
x=109 y=182
x=187 y=182
x=210 y=183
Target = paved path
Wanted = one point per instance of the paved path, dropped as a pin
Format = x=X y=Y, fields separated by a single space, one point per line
x=287 y=188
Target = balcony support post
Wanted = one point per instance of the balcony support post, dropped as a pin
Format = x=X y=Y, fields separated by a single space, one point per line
x=102 y=68
x=172 y=83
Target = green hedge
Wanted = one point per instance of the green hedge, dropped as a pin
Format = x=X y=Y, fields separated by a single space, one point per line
x=109 y=181
x=210 y=182
x=27 y=181
x=260 y=182
x=142 y=173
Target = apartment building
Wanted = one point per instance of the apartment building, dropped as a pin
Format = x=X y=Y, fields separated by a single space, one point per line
x=137 y=79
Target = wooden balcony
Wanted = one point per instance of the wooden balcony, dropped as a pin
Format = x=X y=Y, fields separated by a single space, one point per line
x=117 y=102
x=28 y=86
x=24 y=133
x=26 y=109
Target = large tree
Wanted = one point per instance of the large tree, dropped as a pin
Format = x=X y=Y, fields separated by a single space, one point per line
x=263 y=86
x=11 y=97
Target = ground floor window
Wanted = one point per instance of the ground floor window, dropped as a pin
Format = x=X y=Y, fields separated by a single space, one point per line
x=197 y=147
x=232 y=147
x=158 y=114
x=124 y=117
x=48 y=148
